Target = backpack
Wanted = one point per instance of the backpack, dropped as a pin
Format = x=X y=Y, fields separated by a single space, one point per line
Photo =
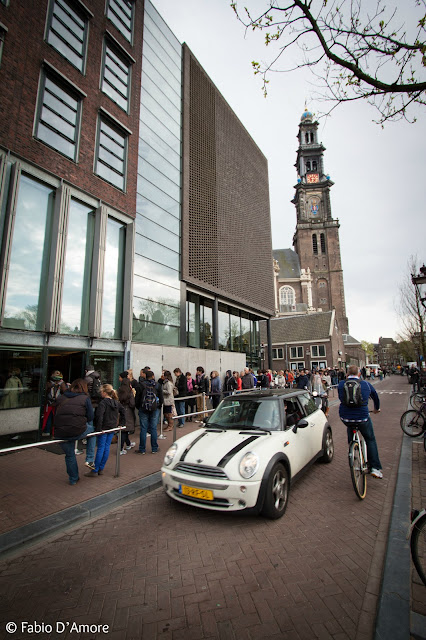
x=95 y=391
x=352 y=393
x=149 y=399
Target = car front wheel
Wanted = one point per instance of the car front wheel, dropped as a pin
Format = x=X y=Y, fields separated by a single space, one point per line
x=277 y=491
x=328 y=451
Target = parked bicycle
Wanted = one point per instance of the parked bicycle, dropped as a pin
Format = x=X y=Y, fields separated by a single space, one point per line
x=413 y=422
x=358 y=463
x=417 y=399
x=417 y=535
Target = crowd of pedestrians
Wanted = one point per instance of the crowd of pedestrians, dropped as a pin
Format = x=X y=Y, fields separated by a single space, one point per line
x=73 y=411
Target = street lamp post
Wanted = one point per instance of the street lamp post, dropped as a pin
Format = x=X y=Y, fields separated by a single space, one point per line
x=419 y=280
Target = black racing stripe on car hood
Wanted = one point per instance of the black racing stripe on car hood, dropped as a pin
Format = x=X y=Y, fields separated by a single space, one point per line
x=189 y=447
x=235 y=450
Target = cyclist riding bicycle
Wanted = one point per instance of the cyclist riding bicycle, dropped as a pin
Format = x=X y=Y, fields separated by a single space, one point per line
x=357 y=414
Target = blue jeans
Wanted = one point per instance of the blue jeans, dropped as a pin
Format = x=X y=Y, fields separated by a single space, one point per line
x=102 y=451
x=366 y=428
x=68 y=448
x=180 y=410
x=148 y=421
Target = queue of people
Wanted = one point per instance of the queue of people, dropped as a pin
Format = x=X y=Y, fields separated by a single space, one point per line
x=75 y=410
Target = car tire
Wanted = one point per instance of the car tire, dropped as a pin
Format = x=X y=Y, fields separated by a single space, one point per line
x=277 y=492
x=328 y=449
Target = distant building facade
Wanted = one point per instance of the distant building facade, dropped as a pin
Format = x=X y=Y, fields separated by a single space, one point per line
x=311 y=341
x=120 y=180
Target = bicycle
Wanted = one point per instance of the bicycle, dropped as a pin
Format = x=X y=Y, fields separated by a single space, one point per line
x=417 y=534
x=413 y=422
x=358 y=463
x=418 y=399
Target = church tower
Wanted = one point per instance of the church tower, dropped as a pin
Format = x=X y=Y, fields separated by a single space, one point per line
x=316 y=240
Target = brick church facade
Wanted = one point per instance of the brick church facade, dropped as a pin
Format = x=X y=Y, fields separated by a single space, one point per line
x=308 y=278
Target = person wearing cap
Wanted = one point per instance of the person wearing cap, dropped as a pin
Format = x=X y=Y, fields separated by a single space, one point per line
x=55 y=387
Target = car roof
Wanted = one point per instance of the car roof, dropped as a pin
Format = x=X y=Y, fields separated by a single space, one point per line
x=270 y=393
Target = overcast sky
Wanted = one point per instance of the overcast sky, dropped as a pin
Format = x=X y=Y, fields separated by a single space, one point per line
x=379 y=193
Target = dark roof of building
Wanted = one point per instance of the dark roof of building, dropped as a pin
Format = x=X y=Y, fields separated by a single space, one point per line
x=347 y=339
x=289 y=263
x=310 y=327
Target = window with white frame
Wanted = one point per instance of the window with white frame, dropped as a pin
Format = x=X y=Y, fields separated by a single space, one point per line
x=120 y=12
x=287 y=296
x=116 y=75
x=297 y=366
x=58 y=115
x=318 y=364
x=67 y=31
x=318 y=351
x=111 y=153
x=278 y=354
x=296 y=352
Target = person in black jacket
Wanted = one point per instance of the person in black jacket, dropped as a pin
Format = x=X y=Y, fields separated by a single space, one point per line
x=149 y=398
x=109 y=414
x=182 y=388
x=201 y=386
x=73 y=421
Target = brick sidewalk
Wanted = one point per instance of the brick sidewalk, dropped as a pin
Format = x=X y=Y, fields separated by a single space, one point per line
x=155 y=569
x=35 y=483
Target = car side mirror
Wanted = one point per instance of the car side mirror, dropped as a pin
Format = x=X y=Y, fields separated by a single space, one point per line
x=301 y=424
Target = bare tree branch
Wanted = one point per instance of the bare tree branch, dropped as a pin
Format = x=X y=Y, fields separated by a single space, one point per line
x=365 y=55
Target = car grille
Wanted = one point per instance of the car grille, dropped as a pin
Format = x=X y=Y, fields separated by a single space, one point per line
x=201 y=470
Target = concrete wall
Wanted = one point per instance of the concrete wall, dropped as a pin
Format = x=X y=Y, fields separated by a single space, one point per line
x=19 y=420
x=160 y=357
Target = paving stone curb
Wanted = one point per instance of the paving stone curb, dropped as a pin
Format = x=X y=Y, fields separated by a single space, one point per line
x=13 y=542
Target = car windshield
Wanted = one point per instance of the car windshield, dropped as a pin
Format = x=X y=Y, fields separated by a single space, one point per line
x=246 y=413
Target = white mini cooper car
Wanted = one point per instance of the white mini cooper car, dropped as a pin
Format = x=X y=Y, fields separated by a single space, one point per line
x=249 y=452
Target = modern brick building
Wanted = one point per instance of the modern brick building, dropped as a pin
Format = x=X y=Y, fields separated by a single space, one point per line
x=121 y=174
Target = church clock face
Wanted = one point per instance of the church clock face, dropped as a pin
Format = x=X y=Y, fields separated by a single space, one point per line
x=312 y=178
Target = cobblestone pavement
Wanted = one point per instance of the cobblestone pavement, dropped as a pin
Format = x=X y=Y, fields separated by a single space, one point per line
x=156 y=569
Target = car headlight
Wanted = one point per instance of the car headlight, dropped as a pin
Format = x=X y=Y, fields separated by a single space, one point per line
x=170 y=454
x=249 y=464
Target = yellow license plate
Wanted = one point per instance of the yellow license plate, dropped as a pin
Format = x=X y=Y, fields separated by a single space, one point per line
x=193 y=492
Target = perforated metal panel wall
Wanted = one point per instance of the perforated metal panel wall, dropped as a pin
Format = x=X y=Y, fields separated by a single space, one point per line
x=226 y=239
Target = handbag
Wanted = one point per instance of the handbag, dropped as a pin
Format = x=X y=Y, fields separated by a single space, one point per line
x=175 y=391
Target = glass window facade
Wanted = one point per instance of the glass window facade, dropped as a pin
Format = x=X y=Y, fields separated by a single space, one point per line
x=64 y=264
x=112 y=308
x=58 y=118
x=111 y=154
x=199 y=318
x=29 y=261
x=116 y=76
x=67 y=32
x=20 y=376
x=120 y=12
x=78 y=269
x=156 y=302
